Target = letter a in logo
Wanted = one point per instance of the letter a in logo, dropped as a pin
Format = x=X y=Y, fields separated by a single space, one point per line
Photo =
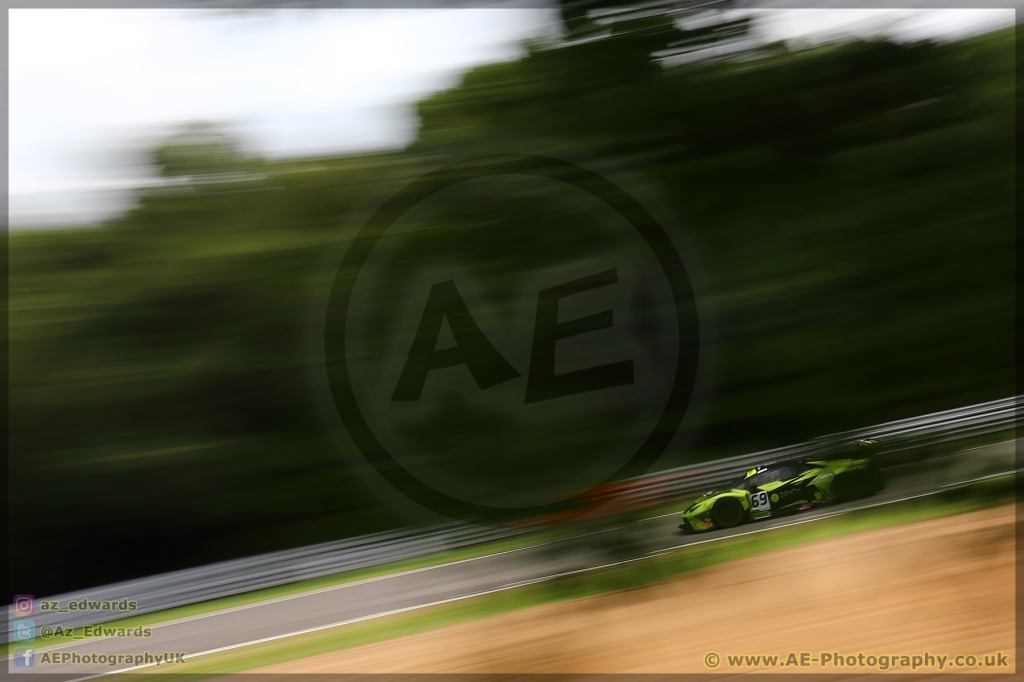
x=472 y=347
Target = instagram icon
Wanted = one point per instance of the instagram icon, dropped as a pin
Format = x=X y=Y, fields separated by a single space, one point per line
x=24 y=605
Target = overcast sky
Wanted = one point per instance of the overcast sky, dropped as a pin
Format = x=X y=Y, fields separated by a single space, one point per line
x=90 y=88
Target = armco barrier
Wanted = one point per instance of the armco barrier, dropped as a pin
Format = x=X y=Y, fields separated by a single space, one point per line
x=179 y=588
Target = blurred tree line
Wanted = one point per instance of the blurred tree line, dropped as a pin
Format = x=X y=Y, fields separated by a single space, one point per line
x=852 y=205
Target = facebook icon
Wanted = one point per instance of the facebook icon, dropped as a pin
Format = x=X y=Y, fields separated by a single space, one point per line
x=24 y=657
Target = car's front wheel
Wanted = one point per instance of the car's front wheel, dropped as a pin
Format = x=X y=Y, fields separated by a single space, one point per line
x=727 y=512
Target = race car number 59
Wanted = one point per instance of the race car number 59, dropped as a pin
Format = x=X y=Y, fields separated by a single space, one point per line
x=759 y=501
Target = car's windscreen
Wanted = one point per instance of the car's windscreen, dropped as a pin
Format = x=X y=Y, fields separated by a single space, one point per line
x=763 y=478
x=738 y=483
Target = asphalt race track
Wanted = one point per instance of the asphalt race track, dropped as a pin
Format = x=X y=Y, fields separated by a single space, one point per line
x=292 y=615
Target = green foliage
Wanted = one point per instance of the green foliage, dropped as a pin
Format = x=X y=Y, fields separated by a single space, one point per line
x=851 y=206
x=201 y=151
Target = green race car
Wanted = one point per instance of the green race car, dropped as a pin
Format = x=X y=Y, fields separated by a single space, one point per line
x=785 y=486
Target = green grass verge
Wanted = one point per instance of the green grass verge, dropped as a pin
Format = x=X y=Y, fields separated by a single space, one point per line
x=624 y=576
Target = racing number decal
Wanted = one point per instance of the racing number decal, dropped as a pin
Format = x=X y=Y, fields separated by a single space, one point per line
x=759 y=501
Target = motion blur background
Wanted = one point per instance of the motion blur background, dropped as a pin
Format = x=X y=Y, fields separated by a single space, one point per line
x=177 y=176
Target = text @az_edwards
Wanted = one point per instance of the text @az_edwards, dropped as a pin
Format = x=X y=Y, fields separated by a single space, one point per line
x=89 y=631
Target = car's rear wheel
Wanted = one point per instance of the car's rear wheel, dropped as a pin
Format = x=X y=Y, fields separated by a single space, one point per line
x=727 y=512
x=851 y=486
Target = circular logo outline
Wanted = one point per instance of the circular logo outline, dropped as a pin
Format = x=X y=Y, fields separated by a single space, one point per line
x=650 y=230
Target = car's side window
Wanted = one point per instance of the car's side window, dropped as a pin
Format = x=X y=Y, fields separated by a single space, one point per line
x=769 y=476
x=756 y=480
x=783 y=474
